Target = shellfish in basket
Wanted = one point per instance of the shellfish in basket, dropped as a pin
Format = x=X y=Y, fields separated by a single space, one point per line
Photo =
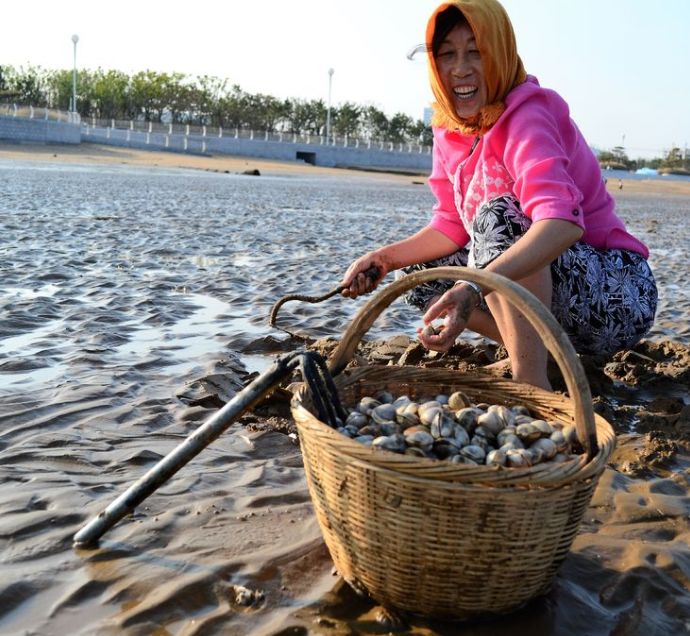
x=450 y=427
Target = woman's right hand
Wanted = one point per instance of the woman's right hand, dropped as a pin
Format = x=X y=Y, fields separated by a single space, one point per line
x=364 y=274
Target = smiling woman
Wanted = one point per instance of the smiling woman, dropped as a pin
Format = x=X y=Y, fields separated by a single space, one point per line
x=519 y=193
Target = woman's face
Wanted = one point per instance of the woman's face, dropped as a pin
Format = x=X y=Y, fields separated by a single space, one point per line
x=460 y=69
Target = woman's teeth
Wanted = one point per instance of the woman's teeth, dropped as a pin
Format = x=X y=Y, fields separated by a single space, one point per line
x=465 y=92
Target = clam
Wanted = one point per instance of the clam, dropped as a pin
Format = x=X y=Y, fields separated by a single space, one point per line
x=547 y=447
x=419 y=439
x=496 y=458
x=520 y=409
x=458 y=400
x=512 y=445
x=504 y=434
x=445 y=448
x=366 y=404
x=486 y=433
x=441 y=398
x=370 y=429
x=506 y=416
x=559 y=440
x=442 y=425
x=543 y=427
x=406 y=414
x=356 y=419
x=402 y=401
x=394 y=443
x=431 y=330
x=536 y=455
x=570 y=434
x=510 y=438
x=473 y=452
x=478 y=440
x=428 y=411
x=523 y=419
x=527 y=433
x=413 y=429
x=346 y=431
x=491 y=421
x=388 y=428
x=406 y=419
x=383 y=413
x=518 y=458
x=460 y=436
x=467 y=417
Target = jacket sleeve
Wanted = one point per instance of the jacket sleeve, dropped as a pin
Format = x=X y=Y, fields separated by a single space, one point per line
x=536 y=157
x=446 y=218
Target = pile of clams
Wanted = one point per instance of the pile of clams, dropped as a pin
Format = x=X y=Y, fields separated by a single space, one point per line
x=451 y=428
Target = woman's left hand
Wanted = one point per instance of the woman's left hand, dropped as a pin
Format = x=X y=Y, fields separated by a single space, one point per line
x=455 y=307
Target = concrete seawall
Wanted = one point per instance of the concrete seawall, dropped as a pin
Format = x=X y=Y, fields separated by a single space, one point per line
x=55 y=127
x=46 y=131
x=317 y=154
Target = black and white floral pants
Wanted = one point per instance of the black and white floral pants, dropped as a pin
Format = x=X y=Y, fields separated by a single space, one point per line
x=605 y=300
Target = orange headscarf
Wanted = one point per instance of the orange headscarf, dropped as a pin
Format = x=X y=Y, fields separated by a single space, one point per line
x=502 y=65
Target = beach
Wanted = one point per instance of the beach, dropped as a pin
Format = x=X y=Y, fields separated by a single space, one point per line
x=135 y=293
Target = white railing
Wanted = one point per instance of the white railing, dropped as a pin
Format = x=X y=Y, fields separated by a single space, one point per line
x=48 y=114
x=206 y=132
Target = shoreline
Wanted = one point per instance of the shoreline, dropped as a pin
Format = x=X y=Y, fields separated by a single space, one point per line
x=99 y=154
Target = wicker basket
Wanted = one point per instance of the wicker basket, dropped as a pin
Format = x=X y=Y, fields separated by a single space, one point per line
x=443 y=539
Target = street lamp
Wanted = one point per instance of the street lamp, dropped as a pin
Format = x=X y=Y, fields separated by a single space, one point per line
x=328 y=112
x=75 y=39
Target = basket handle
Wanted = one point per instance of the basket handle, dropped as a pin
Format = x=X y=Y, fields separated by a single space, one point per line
x=555 y=339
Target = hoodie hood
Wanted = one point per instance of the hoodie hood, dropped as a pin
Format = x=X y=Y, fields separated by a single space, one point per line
x=502 y=66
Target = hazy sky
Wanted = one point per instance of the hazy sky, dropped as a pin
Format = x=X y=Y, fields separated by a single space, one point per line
x=622 y=65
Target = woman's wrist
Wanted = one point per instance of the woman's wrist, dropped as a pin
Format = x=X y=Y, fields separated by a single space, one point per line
x=475 y=288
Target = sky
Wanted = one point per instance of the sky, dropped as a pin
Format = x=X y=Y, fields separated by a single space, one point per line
x=622 y=65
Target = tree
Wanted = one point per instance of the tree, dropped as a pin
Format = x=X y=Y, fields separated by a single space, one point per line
x=346 y=119
x=29 y=85
x=375 y=124
x=421 y=133
x=400 y=126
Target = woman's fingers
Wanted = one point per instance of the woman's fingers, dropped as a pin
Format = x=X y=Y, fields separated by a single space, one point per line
x=362 y=277
x=441 y=341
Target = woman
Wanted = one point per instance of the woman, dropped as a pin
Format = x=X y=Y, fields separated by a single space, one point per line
x=519 y=193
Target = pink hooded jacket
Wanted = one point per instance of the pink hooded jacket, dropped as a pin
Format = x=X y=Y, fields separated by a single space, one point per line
x=535 y=152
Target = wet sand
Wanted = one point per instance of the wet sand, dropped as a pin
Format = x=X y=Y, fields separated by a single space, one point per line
x=98 y=154
x=134 y=299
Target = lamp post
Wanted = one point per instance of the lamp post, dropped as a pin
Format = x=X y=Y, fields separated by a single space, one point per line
x=75 y=39
x=328 y=112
